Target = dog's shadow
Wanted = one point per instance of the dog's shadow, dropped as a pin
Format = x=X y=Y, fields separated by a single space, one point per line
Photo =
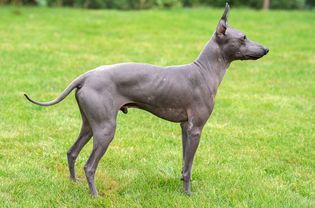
x=156 y=184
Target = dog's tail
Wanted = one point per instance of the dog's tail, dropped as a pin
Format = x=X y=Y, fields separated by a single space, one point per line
x=74 y=84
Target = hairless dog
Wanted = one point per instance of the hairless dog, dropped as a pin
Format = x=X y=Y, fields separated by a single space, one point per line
x=184 y=94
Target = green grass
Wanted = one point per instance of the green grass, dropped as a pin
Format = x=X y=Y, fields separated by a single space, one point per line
x=257 y=149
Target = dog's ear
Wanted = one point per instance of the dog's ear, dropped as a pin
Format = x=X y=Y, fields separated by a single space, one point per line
x=221 y=28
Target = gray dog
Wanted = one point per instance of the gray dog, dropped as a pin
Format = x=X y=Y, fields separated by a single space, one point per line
x=183 y=94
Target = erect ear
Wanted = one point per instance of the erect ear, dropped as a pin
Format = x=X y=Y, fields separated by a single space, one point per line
x=221 y=28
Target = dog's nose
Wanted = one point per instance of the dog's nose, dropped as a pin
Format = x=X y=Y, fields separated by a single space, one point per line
x=266 y=50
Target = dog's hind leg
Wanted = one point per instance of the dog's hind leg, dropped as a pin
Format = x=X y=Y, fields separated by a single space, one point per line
x=84 y=136
x=102 y=137
x=101 y=113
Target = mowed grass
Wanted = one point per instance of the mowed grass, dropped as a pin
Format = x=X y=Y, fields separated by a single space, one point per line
x=257 y=149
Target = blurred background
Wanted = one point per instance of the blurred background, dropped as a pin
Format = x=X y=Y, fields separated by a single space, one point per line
x=147 y=4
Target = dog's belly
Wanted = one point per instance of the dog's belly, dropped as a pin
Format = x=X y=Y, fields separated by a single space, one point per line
x=170 y=114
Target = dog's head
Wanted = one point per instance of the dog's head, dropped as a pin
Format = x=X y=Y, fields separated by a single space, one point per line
x=234 y=44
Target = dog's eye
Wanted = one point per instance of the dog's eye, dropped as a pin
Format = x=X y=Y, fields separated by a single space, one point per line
x=244 y=37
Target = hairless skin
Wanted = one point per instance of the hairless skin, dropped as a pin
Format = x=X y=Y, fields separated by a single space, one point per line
x=184 y=94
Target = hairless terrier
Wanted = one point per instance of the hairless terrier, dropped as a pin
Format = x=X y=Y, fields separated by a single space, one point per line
x=184 y=94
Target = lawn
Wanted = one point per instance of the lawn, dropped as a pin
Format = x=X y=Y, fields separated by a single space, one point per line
x=257 y=149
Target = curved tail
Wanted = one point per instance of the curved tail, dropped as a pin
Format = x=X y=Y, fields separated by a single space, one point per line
x=74 y=84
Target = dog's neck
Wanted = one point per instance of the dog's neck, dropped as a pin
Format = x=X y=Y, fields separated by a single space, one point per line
x=212 y=64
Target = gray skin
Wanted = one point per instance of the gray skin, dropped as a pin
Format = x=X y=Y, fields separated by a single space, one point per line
x=183 y=94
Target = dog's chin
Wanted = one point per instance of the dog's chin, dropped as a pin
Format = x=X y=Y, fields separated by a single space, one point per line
x=252 y=57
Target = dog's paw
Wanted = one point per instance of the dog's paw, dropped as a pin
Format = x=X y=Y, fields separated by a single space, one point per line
x=188 y=193
x=74 y=179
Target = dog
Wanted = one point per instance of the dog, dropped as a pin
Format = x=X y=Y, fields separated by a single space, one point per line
x=183 y=94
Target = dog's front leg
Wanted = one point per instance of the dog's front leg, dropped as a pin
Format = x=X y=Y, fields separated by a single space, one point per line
x=192 y=142
x=184 y=127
